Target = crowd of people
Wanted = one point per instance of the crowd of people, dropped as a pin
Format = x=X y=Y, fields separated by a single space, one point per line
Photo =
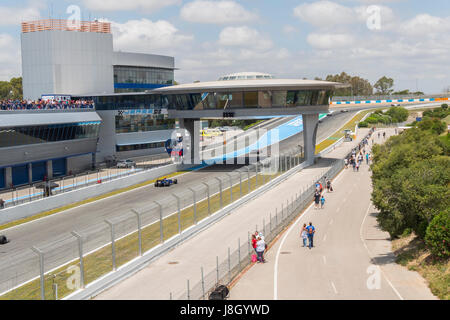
x=45 y=104
x=355 y=159
x=358 y=154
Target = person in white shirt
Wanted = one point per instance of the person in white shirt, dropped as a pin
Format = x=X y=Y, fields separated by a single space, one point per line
x=260 y=248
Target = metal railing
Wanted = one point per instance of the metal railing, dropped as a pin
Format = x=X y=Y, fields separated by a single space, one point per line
x=36 y=191
x=103 y=247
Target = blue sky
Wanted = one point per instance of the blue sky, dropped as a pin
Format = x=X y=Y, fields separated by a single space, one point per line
x=288 y=38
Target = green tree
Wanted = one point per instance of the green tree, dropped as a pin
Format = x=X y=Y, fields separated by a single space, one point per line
x=11 y=89
x=358 y=86
x=384 y=86
x=410 y=181
x=398 y=114
x=438 y=235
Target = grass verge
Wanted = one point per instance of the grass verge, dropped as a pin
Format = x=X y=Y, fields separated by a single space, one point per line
x=412 y=253
x=340 y=133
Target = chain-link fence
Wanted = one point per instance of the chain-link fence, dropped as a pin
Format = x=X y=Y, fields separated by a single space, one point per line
x=61 y=266
x=40 y=190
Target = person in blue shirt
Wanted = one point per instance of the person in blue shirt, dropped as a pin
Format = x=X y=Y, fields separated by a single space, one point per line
x=311 y=230
x=367 y=158
x=322 y=202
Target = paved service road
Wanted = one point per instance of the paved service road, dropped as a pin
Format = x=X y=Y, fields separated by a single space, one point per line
x=352 y=258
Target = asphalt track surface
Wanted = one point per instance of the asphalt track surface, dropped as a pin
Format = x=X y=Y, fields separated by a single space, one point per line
x=351 y=258
x=58 y=226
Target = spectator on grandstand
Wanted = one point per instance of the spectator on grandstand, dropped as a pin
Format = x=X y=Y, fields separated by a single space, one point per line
x=45 y=104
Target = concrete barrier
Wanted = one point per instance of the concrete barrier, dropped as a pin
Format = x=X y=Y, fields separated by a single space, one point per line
x=29 y=209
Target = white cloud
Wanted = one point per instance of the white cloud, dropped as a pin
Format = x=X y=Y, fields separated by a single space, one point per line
x=325 y=14
x=9 y=57
x=129 y=5
x=14 y=16
x=216 y=12
x=244 y=37
x=425 y=25
x=147 y=36
x=330 y=41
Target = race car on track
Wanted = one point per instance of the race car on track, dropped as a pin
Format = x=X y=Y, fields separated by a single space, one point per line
x=164 y=182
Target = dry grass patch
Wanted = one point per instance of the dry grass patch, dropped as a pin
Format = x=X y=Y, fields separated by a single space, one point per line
x=412 y=253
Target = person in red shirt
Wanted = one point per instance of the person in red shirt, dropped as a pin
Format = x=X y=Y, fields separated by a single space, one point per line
x=254 y=241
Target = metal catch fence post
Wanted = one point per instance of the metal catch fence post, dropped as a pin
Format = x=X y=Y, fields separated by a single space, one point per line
x=207 y=192
x=195 y=205
x=203 y=284
x=256 y=174
x=239 y=253
x=217 y=269
x=139 y=224
x=41 y=270
x=231 y=187
x=248 y=179
x=179 y=211
x=188 y=291
x=220 y=191
x=229 y=265
x=113 y=245
x=240 y=184
x=161 y=231
x=80 y=253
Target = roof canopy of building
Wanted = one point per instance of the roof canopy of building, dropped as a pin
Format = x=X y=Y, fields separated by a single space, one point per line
x=132 y=59
x=250 y=85
x=246 y=76
x=11 y=119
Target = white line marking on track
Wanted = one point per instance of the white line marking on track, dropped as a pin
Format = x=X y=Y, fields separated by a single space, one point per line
x=325 y=238
x=331 y=221
x=334 y=287
x=324 y=259
x=275 y=271
x=370 y=255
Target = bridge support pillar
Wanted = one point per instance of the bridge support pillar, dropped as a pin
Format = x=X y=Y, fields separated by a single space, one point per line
x=191 y=148
x=310 y=125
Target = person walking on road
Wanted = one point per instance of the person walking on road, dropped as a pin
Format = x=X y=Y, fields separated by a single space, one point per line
x=260 y=248
x=354 y=164
x=367 y=157
x=311 y=230
x=316 y=199
x=304 y=235
x=329 y=187
x=384 y=135
x=357 y=166
x=322 y=202
x=346 y=163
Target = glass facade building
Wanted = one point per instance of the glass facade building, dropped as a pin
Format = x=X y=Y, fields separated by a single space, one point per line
x=216 y=100
x=139 y=79
x=143 y=123
x=142 y=146
x=18 y=136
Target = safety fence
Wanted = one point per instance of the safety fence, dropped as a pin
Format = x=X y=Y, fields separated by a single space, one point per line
x=40 y=190
x=240 y=257
x=65 y=264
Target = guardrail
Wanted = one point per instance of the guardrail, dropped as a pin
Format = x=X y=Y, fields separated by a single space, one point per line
x=100 y=249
